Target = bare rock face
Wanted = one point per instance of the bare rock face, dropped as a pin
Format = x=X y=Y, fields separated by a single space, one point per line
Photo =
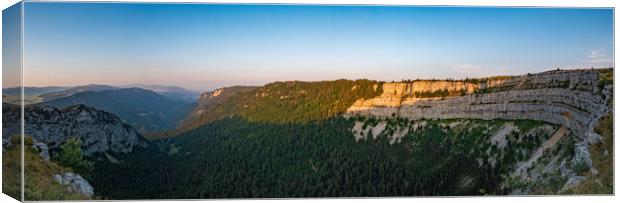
x=98 y=130
x=572 y=99
x=75 y=183
x=43 y=150
x=569 y=98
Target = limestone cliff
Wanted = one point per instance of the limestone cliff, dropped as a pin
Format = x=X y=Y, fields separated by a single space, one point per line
x=99 y=131
x=571 y=98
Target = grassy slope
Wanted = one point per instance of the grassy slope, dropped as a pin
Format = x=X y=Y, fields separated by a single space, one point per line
x=602 y=159
x=39 y=182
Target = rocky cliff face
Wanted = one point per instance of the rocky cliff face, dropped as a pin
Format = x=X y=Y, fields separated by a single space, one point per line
x=571 y=98
x=569 y=102
x=98 y=130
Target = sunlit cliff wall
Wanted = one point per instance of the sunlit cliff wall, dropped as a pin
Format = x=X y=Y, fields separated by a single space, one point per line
x=572 y=98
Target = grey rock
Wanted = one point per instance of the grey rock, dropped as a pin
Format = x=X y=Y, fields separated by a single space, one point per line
x=76 y=183
x=57 y=178
x=99 y=131
x=568 y=98
x=43 y=150
x=572 y=182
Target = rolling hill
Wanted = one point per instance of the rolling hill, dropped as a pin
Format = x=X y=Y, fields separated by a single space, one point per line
x=31 y=94
x=144 y=109
x=170 y=92
x=74 y=90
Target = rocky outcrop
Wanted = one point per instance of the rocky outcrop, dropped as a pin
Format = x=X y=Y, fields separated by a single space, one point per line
x=571 y=98
x=75 y=183
x=98 y=130
x=42 y=149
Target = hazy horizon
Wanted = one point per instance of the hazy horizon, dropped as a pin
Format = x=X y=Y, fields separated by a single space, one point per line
x=214 y=88
x=207 y=46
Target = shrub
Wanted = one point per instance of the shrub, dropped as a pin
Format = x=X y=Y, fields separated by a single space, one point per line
x=71 y=155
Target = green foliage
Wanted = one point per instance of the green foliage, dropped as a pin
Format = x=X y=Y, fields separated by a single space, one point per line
x=549 y=183
x=606 y=77
x=602 y=155
x=71 y=156
x=439 y=93
x=38 y=175
x=283 y=102
x=431 y=94
x=581 y=168
x=145 y=110
x=236 y=158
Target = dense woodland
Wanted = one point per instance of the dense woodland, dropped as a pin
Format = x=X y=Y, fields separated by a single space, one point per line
x=234 y=158
x=286 y=102
x=287 y=139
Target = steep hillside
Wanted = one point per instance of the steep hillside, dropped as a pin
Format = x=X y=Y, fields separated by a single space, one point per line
x=99 y=131
x=39 y=173
x=280 y=102
x=545 y=133
x=321 y=139
x=572 y=98
x=236 y=158
x=60 y=147
x=144 y=109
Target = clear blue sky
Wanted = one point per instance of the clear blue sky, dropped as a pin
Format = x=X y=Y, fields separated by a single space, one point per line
x=11 y=46
x=202 y=47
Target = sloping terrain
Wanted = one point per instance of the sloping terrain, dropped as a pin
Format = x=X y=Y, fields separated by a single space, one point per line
x=298 y=139
x=59 y=148
x=98 y=130
x=279 y=102
x=74 y=90
x=144 y=109
x=12 y=95
x=170 y=92
x=38 y=174
x=545 y=133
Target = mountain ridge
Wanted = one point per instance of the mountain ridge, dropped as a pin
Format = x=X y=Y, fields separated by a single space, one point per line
x=145 y=109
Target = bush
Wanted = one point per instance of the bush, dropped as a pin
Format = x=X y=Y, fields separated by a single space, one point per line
x=71 y=155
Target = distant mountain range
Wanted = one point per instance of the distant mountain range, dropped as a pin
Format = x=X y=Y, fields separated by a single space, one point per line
x=146 y=110
x=74 y=90
x=44 y=94
x=170 y=92
x=31 y=94
x=15 y=91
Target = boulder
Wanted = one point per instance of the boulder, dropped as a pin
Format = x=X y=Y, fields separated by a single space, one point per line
x=75 y=183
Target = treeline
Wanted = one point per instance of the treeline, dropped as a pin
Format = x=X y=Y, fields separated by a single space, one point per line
x=287 y=102
x=439 y=93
